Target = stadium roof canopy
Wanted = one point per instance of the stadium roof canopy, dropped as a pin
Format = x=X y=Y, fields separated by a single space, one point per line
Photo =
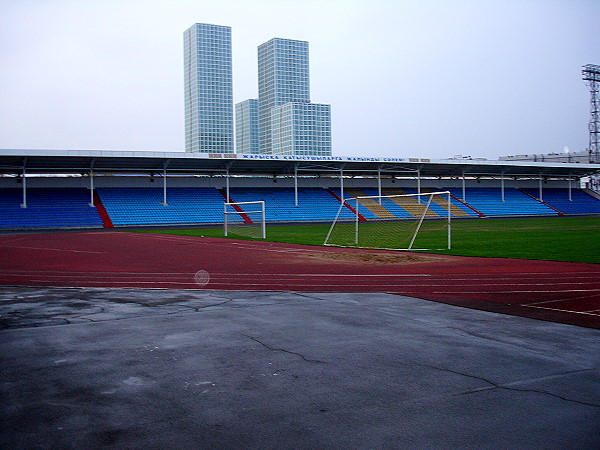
x=132 y=162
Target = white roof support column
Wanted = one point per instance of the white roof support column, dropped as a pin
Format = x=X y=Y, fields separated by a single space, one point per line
x=164 y=177
x=92 y=182
x=296 y=184
x=91 y=188
x=541 y=189
x=502 y=186
x=379 y=182
x=227 y=167
x=342 y=182
x=24 y=182
x=419 y=184
x=570 y=189
x=464 y=195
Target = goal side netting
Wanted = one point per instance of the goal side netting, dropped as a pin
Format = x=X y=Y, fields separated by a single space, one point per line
x=394 y=222
x=244 y=219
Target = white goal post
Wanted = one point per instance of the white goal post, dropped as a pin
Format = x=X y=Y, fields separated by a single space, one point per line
x=245 y=219
x=394 y=222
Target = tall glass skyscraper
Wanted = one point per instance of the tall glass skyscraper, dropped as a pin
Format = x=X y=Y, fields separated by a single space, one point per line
x=289 y=124
x=246 y=126
x=283 y=77
x=301 y=129
x=208 y=89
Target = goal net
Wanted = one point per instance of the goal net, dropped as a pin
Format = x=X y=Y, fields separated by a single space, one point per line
x=394 y=222
x=244 y=219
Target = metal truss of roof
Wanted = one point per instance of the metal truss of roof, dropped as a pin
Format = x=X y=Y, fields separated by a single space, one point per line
x=131 y=162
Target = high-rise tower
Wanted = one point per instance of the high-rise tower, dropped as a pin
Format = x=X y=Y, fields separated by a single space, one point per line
x=246 y=126
x=301 y=129
x=283 y=77
x=208 y=89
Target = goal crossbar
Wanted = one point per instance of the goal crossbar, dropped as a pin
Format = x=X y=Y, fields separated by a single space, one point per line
x=243 y=213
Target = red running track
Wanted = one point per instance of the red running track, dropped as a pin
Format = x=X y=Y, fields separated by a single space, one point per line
x=547 y=290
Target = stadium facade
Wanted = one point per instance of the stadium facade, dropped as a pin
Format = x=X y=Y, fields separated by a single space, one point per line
x=208 y=89
x=250 y=169
x=79 y=188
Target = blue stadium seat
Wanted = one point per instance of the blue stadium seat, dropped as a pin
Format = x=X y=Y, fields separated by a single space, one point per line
x=581 y=202
x=69 y=207
x=444 y=211
x=143 y=206
x=489 y=202
x=47 y=207
x=314 y=204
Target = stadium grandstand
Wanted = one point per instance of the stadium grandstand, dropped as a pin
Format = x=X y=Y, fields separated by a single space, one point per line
x=95 y=189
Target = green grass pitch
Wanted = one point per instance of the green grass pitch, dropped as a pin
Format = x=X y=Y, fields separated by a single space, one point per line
x=559 y=239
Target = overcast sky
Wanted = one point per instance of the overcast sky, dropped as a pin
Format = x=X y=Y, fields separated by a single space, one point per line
x=420 y=78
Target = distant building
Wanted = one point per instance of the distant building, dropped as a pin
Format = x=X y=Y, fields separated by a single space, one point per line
x=246 y=126
x=301 y=129
x=283 y=79
x=208 y=89
x=566 y=157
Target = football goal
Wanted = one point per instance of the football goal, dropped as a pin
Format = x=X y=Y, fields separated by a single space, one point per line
x=393 y=222
x=245 y=219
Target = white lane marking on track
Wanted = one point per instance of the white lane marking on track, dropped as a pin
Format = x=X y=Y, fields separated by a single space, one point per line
x=286 y=278
x=225 y=274
x=517 y=292
x=559 y=300
x=16 y=272
x=51 y=249
x=566 y=310
x=262 y=289
x=397 y=287
x=137 y=281
x=268 y=278
x=437 y=278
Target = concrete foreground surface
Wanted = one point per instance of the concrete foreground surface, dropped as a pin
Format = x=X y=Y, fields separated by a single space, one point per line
x=160 y=369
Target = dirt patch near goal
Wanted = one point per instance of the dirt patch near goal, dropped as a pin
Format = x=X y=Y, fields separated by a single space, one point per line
x=377 y=258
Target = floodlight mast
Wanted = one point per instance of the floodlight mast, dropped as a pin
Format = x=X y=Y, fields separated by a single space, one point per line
x=591 y=75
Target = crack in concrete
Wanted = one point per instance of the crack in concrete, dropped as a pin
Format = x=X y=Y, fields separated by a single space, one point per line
x=85 y=315
x=498 y=340
x=508 y=387
x=90 y=317
x=199 y=308
x=284 y=350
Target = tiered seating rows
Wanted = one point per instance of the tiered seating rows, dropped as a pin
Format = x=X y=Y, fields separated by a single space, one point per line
x=142 y=206
x=581 y=202
x=488 y=201
x=47 y=208
x=396 y=210
x=313 y=203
